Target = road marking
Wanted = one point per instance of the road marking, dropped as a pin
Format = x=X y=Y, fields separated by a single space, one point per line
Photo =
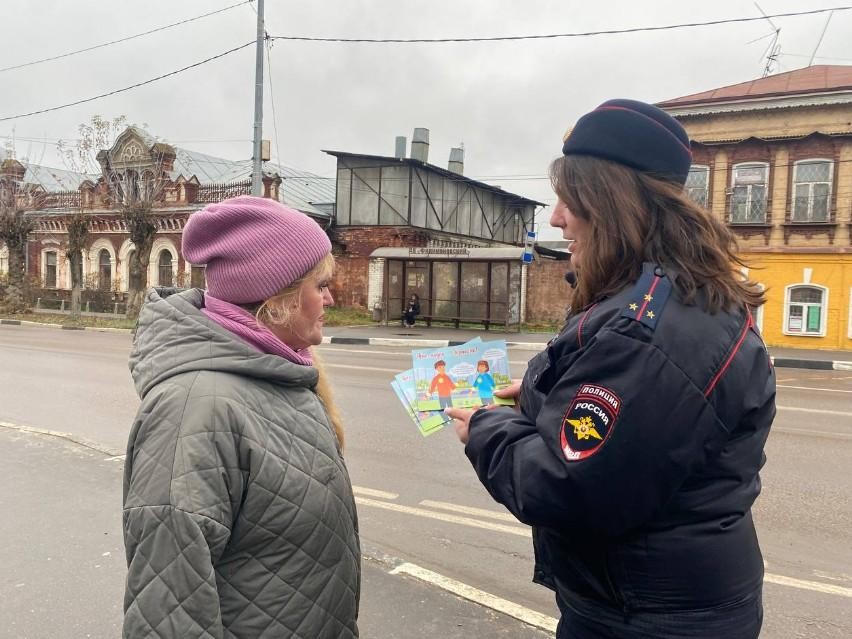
x=80 y=441
x=365 y=352
x=469 y=510
x=480 y=597
x=806 y=431
x=361 y=351
x=809 y=388
x=827 y=589
x=372 y=492
x=820 y=411
x=452 y=519
x=361 y=368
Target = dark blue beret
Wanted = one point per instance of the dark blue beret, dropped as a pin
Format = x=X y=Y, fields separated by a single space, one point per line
x=635 y=134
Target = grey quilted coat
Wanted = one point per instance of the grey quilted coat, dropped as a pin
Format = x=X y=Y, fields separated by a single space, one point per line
x=239 y=519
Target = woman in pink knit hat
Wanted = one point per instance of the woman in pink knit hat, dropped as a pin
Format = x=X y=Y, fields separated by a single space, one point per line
x=239 y=518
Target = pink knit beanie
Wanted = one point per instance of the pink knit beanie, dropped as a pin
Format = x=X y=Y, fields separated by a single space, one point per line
x=253 y=247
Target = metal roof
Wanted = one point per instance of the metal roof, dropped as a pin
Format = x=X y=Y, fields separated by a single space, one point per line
x=53 y=180
x=301 y=190
x=519 y=199
x=821 y=78
x=306 y=192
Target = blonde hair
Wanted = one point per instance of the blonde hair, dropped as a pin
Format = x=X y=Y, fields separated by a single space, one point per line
x=278 y=310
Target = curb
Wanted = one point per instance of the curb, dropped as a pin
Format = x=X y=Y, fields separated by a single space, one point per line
x=778 y=362
x=426 y=343
x=66 y=327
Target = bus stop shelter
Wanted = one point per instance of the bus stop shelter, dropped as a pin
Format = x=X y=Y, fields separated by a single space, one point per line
x=455 y=285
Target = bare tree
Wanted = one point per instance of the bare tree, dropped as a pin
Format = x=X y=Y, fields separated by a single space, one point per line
x=136 y=186
x=136 y=176
x=77 y=225
x=15 y=227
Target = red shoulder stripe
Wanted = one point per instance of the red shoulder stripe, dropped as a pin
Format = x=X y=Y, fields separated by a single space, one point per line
x=748 y=324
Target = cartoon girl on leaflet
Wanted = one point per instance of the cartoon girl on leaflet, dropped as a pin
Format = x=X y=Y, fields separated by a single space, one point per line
x=484 y=382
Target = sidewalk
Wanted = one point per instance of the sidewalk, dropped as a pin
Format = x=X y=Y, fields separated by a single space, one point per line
x=436 y=337
x=64 y=564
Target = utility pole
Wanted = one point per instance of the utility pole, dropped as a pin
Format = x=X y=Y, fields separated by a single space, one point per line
x=257 y=164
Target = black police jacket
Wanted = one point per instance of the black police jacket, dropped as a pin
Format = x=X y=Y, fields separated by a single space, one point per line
x=636 y=452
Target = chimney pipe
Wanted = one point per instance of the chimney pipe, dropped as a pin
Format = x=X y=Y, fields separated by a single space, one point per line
x=420 y=145
x=456 y=163
x=399 y=150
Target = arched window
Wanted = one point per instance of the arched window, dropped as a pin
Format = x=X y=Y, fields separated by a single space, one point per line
x=165 y=268
x=805 y=310
x=812 y=190
x=748 y=193
x=104 y=270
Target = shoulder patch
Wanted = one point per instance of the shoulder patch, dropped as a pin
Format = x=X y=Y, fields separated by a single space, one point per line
x=588 y=422
x=648 y=297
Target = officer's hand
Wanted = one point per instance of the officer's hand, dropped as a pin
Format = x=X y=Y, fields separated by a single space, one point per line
x=511 y=392
x=461 y=421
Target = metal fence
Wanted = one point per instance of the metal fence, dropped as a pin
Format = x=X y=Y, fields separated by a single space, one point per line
x=216 y=192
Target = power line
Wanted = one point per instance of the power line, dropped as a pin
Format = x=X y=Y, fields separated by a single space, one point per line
x=580 y=34
x=132 y=86
x=131 y=37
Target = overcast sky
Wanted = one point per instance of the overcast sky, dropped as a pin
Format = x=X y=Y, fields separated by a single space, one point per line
x=508 y=102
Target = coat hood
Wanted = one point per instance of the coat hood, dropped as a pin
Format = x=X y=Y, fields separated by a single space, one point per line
x=173 y=337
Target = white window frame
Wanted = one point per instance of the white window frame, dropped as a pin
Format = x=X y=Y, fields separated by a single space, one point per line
x=703 y=167
x=758 y=312
x=4 y=260
x=742 y=165
x=57 y=279
x=849 y=332
x=160 y=244
x=822 y=315
x=810 y=219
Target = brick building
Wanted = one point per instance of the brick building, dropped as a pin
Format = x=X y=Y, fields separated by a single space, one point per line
x=773 y=158
x=403 y=226
x=398 y=225
x=189 y=180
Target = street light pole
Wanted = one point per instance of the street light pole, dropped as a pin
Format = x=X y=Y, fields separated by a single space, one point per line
x=257 y=162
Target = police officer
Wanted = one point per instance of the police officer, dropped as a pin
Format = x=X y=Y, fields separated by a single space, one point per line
x=636 y=449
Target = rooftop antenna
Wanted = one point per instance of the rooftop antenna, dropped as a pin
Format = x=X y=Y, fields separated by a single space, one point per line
x=773 y=51
x=821 y=36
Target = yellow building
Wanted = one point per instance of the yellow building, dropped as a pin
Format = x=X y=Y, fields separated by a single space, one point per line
x=773 y=158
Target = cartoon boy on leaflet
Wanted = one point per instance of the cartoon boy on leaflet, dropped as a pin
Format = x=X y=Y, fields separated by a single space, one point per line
x=442 y=384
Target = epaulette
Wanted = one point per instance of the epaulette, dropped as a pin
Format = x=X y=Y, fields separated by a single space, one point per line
x=648 y=297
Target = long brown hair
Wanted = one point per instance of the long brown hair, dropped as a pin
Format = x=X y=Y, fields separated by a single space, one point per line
x=635 y=218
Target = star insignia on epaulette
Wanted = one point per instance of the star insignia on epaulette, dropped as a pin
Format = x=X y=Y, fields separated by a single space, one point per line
x=650 y=314
x=633 y=306
x=648 y=298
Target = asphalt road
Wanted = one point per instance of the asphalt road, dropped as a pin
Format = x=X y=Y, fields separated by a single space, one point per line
x=420 y=504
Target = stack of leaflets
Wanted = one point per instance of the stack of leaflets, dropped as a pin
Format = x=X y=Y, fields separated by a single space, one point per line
x=463 y=376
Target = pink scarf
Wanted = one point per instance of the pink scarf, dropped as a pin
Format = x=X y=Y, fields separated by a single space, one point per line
x=243 y=324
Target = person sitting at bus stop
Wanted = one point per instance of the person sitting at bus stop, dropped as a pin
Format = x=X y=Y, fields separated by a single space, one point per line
x=412 y=310
x=636 y=452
